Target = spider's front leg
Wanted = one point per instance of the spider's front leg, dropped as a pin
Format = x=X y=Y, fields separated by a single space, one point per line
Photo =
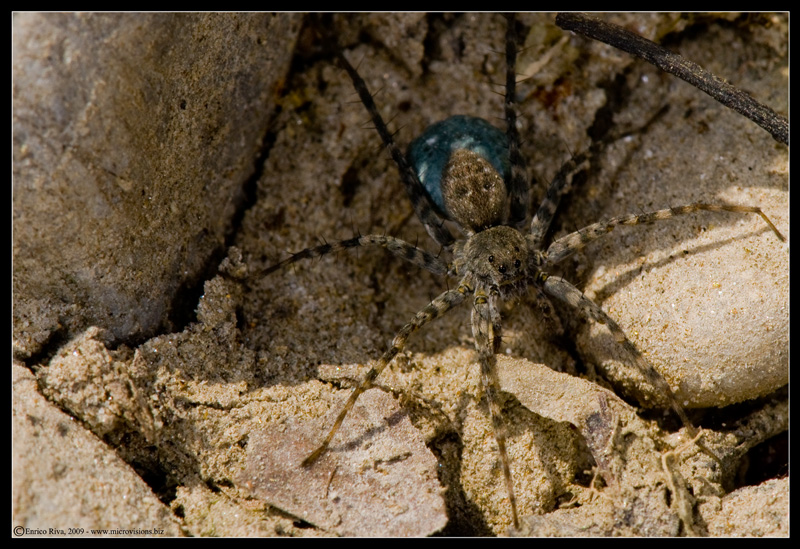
x=567 y=293
x=486 y=331
x=436 y=308
x=573 y=242
x=517 y=179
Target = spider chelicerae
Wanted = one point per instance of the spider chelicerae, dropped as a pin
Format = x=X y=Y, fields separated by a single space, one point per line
x=502 y=252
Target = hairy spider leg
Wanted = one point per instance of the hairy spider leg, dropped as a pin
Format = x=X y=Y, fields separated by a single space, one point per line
x=486 y=331
x=565 y=292
x=422 y=204
x=517 y=183
x=559 y=186
x=569 y=294
x=445 y=302
x=398 y=247
x=571 y=243
x=547 y=209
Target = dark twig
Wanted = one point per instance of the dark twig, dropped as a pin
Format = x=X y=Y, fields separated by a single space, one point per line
x=727 y=94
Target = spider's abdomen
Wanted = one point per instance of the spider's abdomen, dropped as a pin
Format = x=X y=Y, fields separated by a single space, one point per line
x=463 y=162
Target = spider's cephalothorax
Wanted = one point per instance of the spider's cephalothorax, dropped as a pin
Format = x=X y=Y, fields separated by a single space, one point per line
x=465 y=171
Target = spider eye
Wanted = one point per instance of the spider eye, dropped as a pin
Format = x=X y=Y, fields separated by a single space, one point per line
x=517 y=263
x=491 y=259
x=502 y=269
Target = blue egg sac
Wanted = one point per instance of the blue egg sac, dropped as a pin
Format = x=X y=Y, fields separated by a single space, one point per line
x=429 y=153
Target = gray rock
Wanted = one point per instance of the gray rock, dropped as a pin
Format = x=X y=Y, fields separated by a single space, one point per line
x=132 y=137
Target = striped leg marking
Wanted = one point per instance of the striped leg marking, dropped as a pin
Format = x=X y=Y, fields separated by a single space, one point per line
x=398 y=247
x=436 y=308
x=568 y=245
x=485 y=320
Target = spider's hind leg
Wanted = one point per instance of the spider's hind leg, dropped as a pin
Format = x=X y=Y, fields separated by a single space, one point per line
x=517 y=181
x=421 y=202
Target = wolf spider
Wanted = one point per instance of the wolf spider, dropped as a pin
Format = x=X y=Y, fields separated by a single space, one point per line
x=466 y=172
